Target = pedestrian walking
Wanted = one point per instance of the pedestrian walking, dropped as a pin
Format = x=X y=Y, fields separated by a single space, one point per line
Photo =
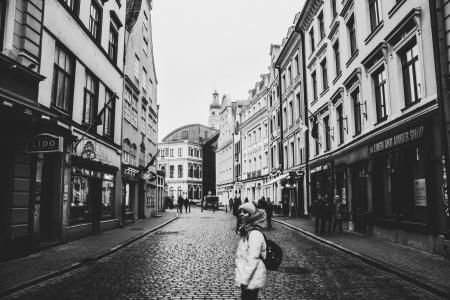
x=230 y=204
x=262 y=204
x=180 y=204
x=187 y=204
x=245 y=200
x=338 y=213
x=329 y=212
x=251 y=273
x=269 y=213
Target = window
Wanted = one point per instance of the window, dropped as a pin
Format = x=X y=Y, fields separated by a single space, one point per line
x=326 y=128
x=143 y=119
x=411 y=74
x=72 y=4
x=171 y=171
x=133 y=154
x=112 y=46
x=184 y=134
x=375 y=14
x=352 y=35
x=337 y=58
x=90 y=99
x=190 y=171
x=144 y=80
x=290 y=74
x=291 y=113
x=108 y=114
x=134 y=112
x=292 y=154
x=321 y=26
x=340 y=123
x=357 y=111
x=137 y=64
x=314 y=85
x=311 y=40
x=333 y=8
x=299 y=105
x=179 y=152
x=323 y=64
x=95 y=20
x=379 y=80
x=180 y=171
x=127 y=105
x=163 y=153
x=62 y=87
x=284 y=118
x=297 y=68
x=142 y=155
x=283 y=83
x=171 y=152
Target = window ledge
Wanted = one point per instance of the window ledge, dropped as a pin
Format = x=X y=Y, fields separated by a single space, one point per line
x=337 y=77
x=396 y=8
x=324 y=91
x=410 y=105
x=381 y=120
x=314 y=101
x=357 y=134
x=373 y=33
x=352 y=58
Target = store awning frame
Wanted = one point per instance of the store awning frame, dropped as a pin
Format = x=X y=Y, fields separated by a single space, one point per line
x=282 y=176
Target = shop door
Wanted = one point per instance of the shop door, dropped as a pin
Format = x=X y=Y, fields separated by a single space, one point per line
x=95 y=200
x=359 y=196
x=141 y=200
x=285 y=194
x=46 y=201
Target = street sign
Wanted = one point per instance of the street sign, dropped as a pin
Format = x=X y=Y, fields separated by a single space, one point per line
x=45 y=143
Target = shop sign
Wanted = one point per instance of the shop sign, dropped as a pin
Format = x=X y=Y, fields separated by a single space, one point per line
x=398 y=139
x=321 y=168
x=45 y=143
x=420 y=192
x=88 y=150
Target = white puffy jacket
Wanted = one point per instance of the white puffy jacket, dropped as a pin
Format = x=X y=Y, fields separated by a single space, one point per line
x=250 y=269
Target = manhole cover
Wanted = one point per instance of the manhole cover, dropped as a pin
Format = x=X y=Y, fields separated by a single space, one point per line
x=296 y=270
x=136 y=228
x=167 y=232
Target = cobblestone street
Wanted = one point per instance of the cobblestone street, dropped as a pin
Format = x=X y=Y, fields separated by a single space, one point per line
x=193 y=257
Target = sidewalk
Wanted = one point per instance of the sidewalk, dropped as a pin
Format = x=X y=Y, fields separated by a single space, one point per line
x=427 y=270
x=20 y=273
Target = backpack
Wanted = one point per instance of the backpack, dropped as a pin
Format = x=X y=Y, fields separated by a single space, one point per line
x=274 y=254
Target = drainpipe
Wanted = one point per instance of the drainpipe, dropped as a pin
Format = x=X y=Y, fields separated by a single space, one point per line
x=440 y=58
x=305 y=104
x=280 y=118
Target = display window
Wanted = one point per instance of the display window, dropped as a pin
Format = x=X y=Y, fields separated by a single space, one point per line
x=107 y=209
x=80 y=211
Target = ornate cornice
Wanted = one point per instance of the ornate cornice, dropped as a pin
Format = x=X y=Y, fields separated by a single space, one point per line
x=309 y=12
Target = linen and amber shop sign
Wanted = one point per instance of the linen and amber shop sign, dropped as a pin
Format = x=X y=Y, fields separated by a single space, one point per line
x=398 y=139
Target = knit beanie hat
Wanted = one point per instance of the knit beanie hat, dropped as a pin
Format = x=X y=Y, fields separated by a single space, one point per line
x=248 y=207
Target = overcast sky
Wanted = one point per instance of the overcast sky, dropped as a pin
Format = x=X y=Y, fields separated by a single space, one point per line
x=203 y=45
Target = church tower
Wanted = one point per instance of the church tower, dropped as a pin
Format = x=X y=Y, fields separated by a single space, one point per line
x=214 y=112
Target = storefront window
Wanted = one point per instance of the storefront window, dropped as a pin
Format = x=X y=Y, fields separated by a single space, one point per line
x=79 y=207
x=401 y=176
x=107 y=210
x=127 y=196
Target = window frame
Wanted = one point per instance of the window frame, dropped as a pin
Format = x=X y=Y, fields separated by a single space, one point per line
x=324 y=67
x=70 y=76
x=380 y=93
x=374 y=14
x=97 y=34
x=113 y=46
x=351 y=28
x=93 y=96
x=356 y=110
x=111 y=108
x=414 y=62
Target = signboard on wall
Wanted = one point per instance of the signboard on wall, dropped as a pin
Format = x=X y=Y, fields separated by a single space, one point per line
x=397 y=139
x=45 y=143
x=420 y=192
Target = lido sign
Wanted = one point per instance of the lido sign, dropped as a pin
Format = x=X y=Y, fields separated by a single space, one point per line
x=45 y=143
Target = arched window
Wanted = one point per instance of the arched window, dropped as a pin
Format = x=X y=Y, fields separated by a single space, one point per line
x=191 y=192
x=171 y=171
x=196 y=172
x=260 y=163
x=163 y=168
x=142 y=155
x=190 y=170
x=254 y=164
x=133 y=151
x=179 y=192
x=199 y=171
x=126 y=148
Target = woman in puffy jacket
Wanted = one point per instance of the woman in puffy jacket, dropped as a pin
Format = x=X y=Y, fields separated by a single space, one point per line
x=251 y=274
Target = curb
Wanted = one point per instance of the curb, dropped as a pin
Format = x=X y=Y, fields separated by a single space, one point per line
x=428 y=286
x=81 y=263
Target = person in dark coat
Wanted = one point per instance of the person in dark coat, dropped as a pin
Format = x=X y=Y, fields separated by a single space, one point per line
x=180 y=204
x=315 y=212
x=230 y=204
x=262 y=204
x=187 y=204
x=338 y=213
x=329 y=212
x=269 y=212
x=246 y=200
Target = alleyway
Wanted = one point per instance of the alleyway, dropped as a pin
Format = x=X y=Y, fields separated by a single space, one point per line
x=193 y=257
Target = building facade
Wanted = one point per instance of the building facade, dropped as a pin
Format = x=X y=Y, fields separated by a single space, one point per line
x=140 y=120
x=181 y=157
x=293 y=129
x=254 y=140
x=374 y=116
x=63 y=97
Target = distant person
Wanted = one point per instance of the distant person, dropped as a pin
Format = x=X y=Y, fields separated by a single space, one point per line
x=338 y=213
x=180 y=204
x=251 y=273
x=230 y=204
x=187 y=204
x=329 y=212
x=246 y=200
x=269 y=213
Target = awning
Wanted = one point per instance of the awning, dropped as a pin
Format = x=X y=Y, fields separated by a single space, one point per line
x=282 y=176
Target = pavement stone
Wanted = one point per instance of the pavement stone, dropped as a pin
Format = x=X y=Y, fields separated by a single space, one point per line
x=193 y=258
x=428 y=268
x=44 y=263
